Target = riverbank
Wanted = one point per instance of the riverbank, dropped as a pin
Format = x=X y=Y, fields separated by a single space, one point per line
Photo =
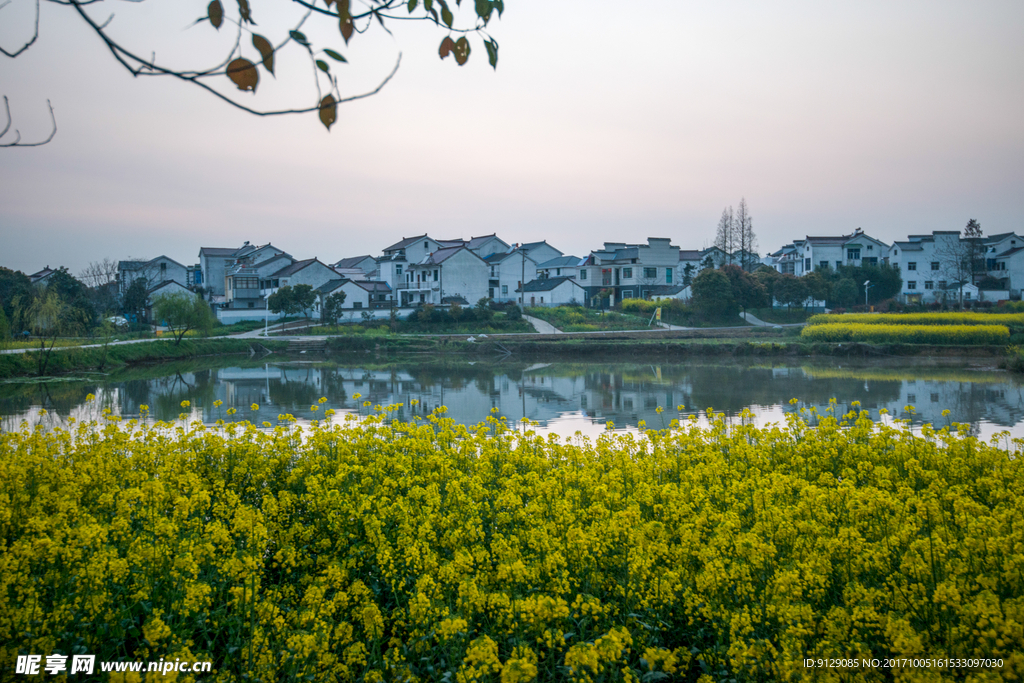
x=104 y=358
x=662 y=345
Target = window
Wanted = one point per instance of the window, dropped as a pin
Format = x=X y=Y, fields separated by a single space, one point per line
x=252 y=305
x=935 y=265
x=583 y=274
x=627 y=273
x=274 y=283
x=542 y=301
x=853 y=254
x=911 y=398
x=357 y=304
x=504 y=289
x=871 y=247
x=911 y=265
x=426 y=245
x=163 y=268
x=942 y=284
x=807 y=263
x=823 y=264
x=398 y=270
x=838 y=263
x=627 y=294
x=247 y=283
x=650 y=273
x=558 y=271
x=911 y=284
x=928 y=284
x=967 y=295
x=668 y=275
x=435 y=275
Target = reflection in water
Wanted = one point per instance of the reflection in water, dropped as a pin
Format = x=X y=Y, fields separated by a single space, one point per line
x=560 y=397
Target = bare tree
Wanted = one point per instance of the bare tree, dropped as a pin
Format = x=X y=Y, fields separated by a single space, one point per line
x=955 y=259
x=726 y=237
x=249 y=49
x=99 y=273
x=747 y=240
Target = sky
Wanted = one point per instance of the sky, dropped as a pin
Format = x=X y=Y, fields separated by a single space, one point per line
x=602 y=122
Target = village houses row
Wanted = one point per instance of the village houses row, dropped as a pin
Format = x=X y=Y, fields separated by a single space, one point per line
x=422 y=270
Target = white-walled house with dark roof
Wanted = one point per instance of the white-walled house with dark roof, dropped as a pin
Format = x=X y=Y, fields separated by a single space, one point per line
x=507 y=272
x=554 y=291
x=829 y=251
x=928 y=265
x=449 y=272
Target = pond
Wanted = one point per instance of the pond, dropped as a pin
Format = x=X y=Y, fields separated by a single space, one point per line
x=562 y=398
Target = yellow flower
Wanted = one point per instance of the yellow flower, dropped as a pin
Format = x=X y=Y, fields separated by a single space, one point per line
x=323 y=399
x=254 y=407
x=314 y=408
x=185 y=404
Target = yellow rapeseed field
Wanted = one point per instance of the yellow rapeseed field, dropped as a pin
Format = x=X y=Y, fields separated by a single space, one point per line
x=908 y=334
x=947 y=318
x=428 y=551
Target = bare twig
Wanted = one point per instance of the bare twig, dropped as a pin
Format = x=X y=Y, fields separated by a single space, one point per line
x=35 y=34
x=17 y=134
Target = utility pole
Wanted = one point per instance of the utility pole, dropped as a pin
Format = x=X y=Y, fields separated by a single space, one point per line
x=522 y=284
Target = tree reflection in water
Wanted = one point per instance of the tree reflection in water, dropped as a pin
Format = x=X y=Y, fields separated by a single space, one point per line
x=544 y=392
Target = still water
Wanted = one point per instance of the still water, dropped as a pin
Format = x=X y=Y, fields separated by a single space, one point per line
x=562 y=398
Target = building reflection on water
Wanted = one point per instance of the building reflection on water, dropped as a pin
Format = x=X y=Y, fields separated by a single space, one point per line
x=545 y=393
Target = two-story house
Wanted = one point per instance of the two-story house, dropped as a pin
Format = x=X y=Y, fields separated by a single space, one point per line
x=152 y=272
x=453 y=272
x=627 y=271
x=507 y=271
x=932 y=266
x=215 y=262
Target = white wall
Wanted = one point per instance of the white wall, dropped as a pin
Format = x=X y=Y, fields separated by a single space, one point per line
x=229 y=316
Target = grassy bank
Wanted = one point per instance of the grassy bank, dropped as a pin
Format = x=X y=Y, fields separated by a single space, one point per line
x=433 y=552
x=115 y=356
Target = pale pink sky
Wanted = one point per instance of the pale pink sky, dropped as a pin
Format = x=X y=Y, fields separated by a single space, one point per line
x=601 y=123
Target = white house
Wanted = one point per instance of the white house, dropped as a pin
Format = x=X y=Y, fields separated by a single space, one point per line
x=557 y=267
x=554 y=291
x=216 y=262
x=628 y=271
x=360 y=295
x=540 y=251
x=450 y=272
x=165 y=288
x=246 y=284
x=152 y=272
x=928 y=264
x=829 y=251
x=507 y=272
x=1004 y=260
x=367 y=265
x=681 y=292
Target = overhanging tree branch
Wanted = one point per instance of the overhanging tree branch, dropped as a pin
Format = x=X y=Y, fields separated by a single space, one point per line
x=244 y=73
